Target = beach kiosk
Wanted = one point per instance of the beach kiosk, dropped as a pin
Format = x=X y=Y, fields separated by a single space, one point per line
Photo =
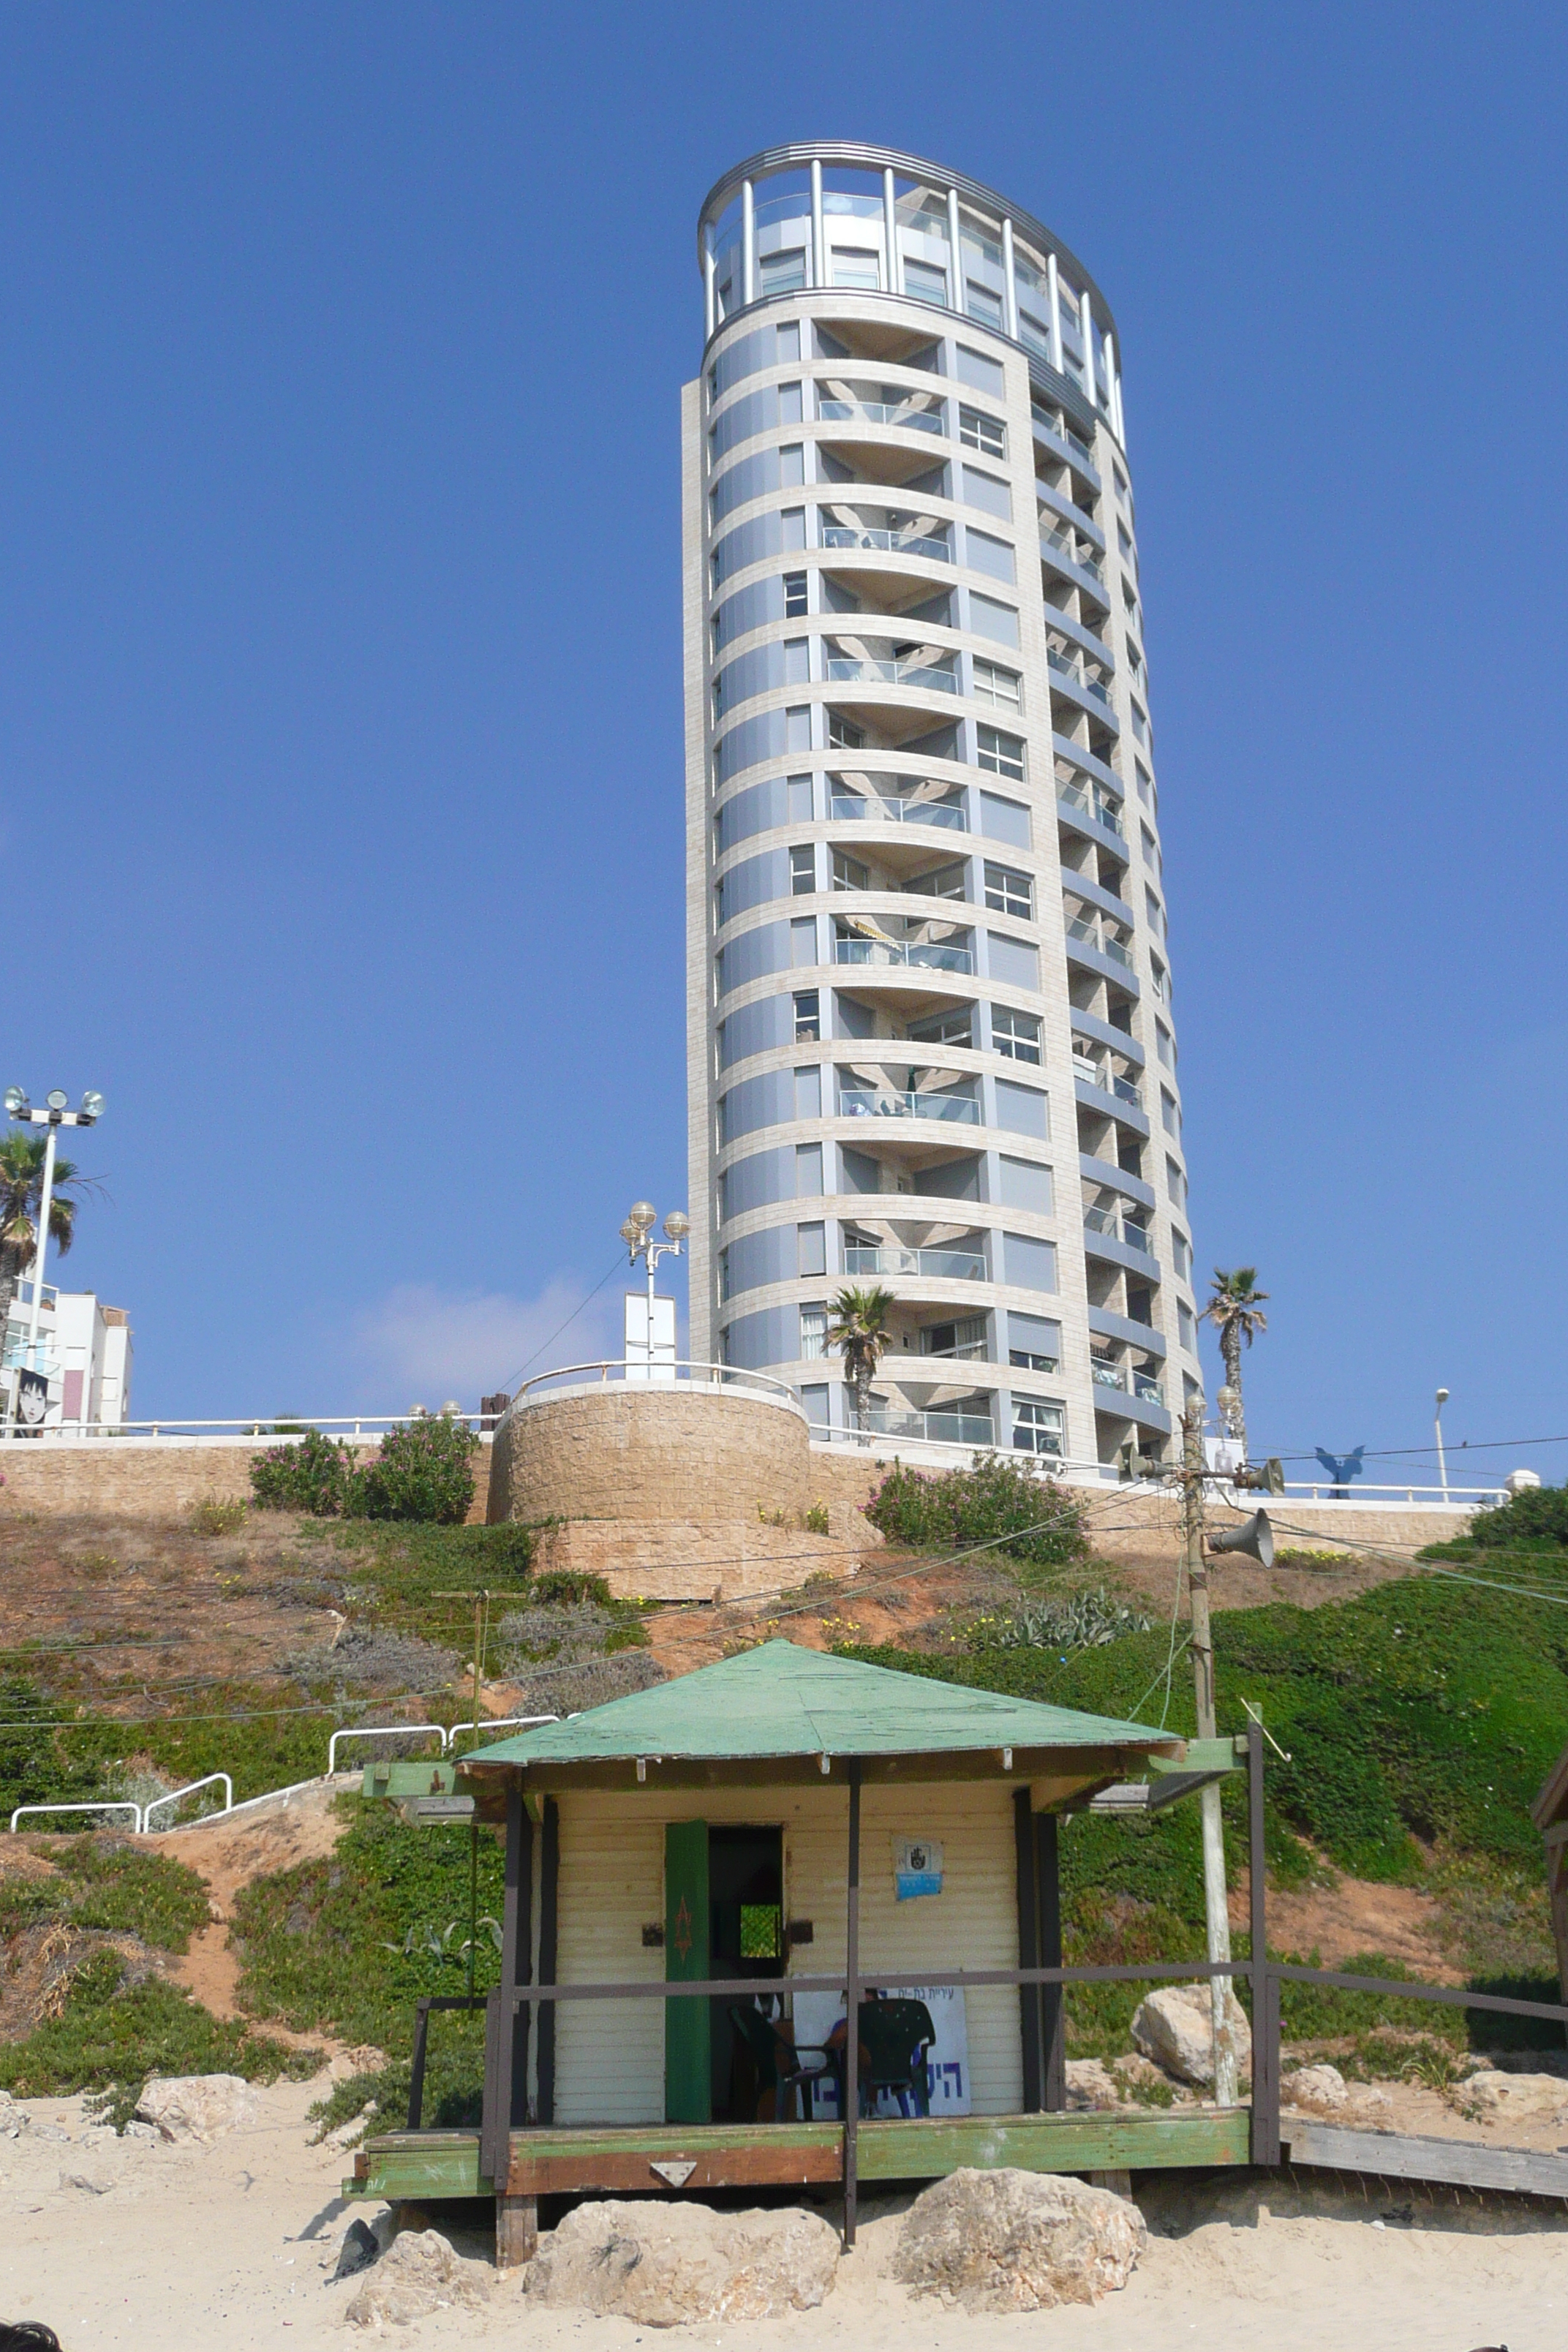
x=771 y=1924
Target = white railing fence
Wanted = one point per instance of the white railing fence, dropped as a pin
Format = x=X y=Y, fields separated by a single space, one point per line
x=142 y=1821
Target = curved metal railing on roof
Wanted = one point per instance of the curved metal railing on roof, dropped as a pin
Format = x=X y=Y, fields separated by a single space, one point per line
x=674 y=1373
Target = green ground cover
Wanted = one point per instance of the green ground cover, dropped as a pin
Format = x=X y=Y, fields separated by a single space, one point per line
x=1418 y=1721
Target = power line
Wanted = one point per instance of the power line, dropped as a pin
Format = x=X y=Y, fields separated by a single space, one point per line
x=562 y=1327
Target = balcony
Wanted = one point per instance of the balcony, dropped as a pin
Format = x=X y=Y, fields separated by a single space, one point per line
x=913 y=955
x=885 y=542
x=1098 y=807
x=889 y=1257
x=1080 y=678
x=1088 y=933
x=937 y=1428
x=1065 y=442
x=850 y=808
x=864 y=1102
x=845 y=669
x=881 y=412
x=1065 y=544
x=1122 y=1229
x=1108 y=1083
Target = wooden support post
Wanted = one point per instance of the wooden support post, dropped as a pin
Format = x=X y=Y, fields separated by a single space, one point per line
x=1265 y=1987
x=506 y=2026
x=549 y=1895
x=416 y=2079
x=1029 y=1949
x=1053 y=1997
x=517 y=2231
x=852 y=2009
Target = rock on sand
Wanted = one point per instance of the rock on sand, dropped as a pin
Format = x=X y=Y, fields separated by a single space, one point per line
x=663 y=2265
x=1529 y=2098
x=1175 y=2028
x=419 y=2272
x=196 y=2108
x=1011 y=2240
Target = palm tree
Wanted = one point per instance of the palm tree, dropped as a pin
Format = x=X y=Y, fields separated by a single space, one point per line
x=1235 y=1310
x=21 y=1197
x=859 y=1326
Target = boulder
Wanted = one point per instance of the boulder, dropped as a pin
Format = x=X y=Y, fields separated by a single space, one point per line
x=1317 y=2090
x=195 y=2109
x=1504 y=2098
x=1089 y=2086
x=1172 y=2025
x=419 y=2272
x=1011 y=2240
x=664 y=2264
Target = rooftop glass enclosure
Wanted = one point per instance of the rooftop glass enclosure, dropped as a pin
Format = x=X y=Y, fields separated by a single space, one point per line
x=870 y=219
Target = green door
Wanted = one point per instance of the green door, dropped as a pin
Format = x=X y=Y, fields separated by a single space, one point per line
x=687 y=2043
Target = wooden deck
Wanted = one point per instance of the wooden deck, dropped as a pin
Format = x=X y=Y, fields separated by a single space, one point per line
x=701 y=2157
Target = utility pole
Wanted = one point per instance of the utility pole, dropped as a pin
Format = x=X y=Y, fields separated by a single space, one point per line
x=1216 y=1912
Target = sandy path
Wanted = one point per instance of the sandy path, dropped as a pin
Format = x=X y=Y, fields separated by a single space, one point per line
x=232 y=2246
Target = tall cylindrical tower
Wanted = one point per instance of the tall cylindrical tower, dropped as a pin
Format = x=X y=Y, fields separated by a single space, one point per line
x=929 y=997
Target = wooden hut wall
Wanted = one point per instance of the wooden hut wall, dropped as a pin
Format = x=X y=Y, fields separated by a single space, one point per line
x=610 y=2055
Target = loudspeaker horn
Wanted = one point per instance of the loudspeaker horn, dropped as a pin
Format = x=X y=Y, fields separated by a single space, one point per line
x=1255 y=1538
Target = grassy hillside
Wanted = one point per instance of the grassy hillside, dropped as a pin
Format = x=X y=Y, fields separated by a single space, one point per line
x=1419 y=1721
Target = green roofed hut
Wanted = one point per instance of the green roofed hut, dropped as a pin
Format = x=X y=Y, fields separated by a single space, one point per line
x=772 y=1830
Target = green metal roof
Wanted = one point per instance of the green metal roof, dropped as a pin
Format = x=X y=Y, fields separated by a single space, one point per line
x=782 y=1700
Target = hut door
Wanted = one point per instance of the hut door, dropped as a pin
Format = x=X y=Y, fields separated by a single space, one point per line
x=688 y=2053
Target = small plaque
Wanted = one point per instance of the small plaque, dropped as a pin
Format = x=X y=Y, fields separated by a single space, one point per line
x=801 y=1931
x=653 y=1935
x=675 y=2170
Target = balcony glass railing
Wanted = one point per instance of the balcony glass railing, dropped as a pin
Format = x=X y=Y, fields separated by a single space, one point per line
x=887 y=1257
x=885 y=542
x=841 y=667
x=917 y=956
x=1117 y=1376
x=1132 y=1236
x=851 y=808
x=1066 y=544
x=1090 y=936
x=1109 y=1082
x=939 y=1428
x=1063 y=434
x=864 y=1102
x=1080 y=677
x=880 y=412
x=1096 y=804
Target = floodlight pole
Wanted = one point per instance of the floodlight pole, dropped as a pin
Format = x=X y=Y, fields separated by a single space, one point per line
x=1442 y=1457
x=1216 y=1911
x=53 y=1115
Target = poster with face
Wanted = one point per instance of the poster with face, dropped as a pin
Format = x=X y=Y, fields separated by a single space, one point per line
x=32 y=1399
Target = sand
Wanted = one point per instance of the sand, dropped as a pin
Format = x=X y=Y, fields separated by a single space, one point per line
x=234 y=2246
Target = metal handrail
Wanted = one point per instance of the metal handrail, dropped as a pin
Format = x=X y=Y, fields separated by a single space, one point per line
x=723 y=1375
x=381 y=1732
x=99 y=1805
x=189 y=1790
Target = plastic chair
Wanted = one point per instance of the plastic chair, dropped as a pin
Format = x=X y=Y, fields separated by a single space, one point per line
x=778 y=2060
x=896 y=2036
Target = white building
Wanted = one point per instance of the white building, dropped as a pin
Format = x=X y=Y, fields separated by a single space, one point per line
x=928 y=990
x=83 y=1356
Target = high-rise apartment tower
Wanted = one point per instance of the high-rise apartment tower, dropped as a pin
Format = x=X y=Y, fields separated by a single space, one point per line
x=929 y=992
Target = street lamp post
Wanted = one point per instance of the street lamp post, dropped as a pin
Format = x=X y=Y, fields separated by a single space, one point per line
x=53 y=1115
x=1442 y=1457
x=637 y=1234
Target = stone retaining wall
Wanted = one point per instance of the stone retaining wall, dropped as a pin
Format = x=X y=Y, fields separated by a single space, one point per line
x=650 y=1454
x=148 y=1478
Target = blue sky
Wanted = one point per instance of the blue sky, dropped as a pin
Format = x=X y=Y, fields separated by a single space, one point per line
x=340 y=728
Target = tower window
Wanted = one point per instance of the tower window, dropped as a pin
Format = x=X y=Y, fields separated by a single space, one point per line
x=801 y=871
x=978 y=431
x=1016 y=1035
x=808 y=1017
x=1002 y=754
x=794 y=595
x=1008 y=892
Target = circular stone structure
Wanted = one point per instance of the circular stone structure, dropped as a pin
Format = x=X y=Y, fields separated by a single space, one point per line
x=673 y=1450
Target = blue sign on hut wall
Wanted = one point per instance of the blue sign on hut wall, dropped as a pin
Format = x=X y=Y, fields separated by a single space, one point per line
x=917 y=1867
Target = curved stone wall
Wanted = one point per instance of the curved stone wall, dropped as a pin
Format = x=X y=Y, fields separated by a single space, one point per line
x=650 y=1454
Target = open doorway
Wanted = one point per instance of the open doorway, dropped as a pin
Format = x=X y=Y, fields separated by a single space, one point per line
x=745 y=1891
